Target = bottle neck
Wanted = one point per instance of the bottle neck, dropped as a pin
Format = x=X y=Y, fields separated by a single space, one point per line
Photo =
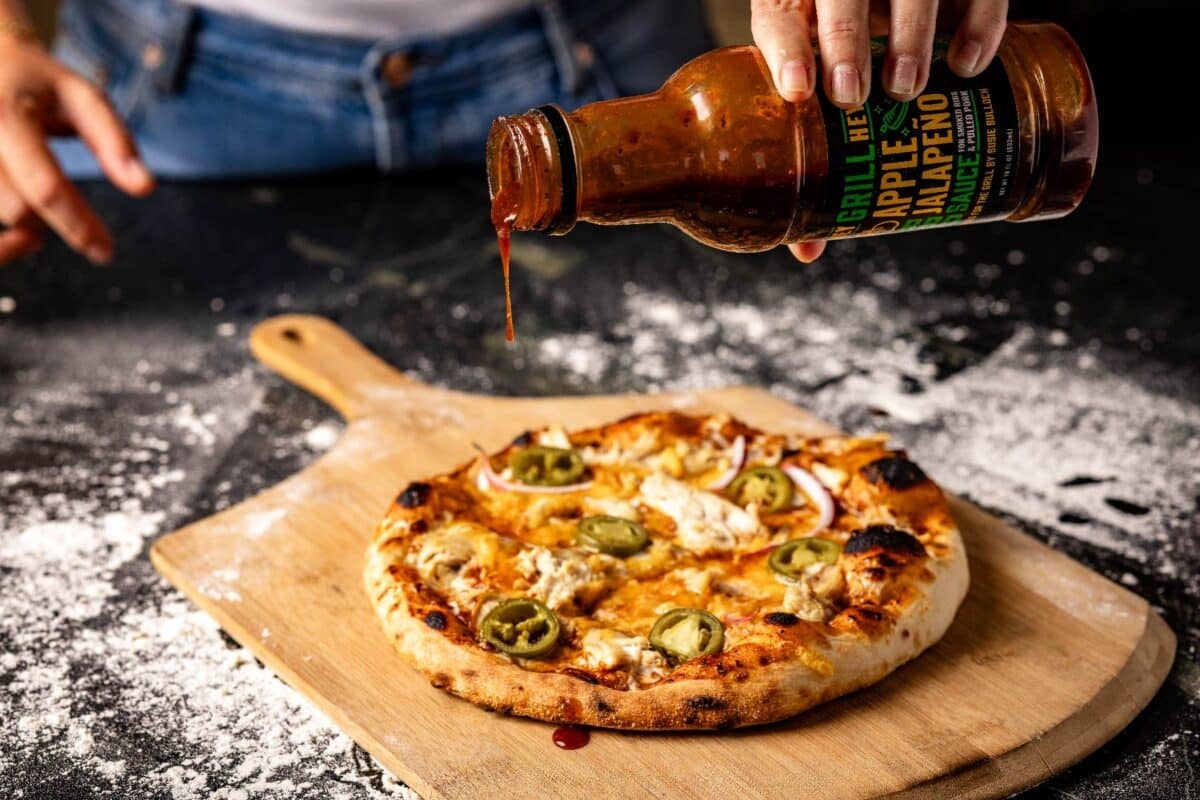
x=532 y=175
x=715 y=152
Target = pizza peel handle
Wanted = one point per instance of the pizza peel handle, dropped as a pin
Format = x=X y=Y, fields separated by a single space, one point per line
x=321 y=358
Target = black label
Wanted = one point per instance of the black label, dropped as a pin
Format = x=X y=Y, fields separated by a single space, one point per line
x=947 y=157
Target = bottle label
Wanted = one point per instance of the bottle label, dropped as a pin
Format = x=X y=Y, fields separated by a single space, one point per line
x=947 y=157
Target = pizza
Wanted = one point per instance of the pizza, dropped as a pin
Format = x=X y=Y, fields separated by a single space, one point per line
x=667 y=571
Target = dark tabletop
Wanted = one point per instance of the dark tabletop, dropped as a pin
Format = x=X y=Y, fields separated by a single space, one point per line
x=1049 y=372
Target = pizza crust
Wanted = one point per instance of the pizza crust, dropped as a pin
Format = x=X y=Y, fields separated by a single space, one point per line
x=743 y=690
x=777 y=691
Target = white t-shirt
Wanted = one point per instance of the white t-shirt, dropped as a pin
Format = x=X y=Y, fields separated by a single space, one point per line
x=370 y=19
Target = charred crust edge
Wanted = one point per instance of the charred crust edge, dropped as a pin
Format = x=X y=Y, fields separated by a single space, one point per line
x=705 y=702
x=887 y=537
x=414 y=495
x=896 y=471
x=580 y=674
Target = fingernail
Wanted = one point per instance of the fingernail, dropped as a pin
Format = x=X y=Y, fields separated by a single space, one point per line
x=904 y=76
x=845 y=85
x=98 y=253
x=967 y=58
x=136 y=170
x=794 y=78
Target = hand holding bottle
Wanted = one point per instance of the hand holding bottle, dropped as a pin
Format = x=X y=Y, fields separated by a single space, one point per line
x=784 y=31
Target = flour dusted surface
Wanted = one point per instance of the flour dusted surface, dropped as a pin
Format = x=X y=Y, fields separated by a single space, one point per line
x=153 y=416
x=114 y=685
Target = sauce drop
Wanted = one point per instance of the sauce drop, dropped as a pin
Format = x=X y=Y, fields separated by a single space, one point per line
x=504 y=239
x=570 y=737
x=504 y=211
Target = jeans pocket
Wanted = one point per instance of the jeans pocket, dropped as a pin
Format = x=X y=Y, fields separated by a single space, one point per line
x=524 y=73
x=112 y=68
x=67 y=51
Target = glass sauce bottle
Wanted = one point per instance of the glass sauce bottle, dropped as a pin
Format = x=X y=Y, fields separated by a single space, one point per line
x=719 y=154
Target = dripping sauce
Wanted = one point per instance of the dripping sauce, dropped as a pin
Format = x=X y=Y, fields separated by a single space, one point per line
x=570 y=737
x=504 y=212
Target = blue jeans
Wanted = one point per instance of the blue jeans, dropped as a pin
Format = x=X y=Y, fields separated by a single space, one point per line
x=209 y=95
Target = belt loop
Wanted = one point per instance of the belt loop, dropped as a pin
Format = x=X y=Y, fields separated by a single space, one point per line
x=167 y=58
x=381 y=122
x=562 y=44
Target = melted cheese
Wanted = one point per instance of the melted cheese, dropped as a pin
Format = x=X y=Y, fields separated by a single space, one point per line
x=765 y=452
x=815 y=661
x=554 y=436
x=704 y=522
x=611 y=506
x=652 y=561
x=621 y=452
x=704 y=456
x=671 y=462
x=834 y=480
x=544 y=508
x=696 y=581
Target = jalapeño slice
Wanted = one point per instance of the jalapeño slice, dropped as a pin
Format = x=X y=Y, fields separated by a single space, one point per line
x=769 y=487
x=682 y=634
x=612 y=535
x=520 y=627
x=792 y=557
x=546 y=466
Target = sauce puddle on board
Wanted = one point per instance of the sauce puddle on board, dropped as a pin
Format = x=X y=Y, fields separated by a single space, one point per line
x=504 y=212
x=570 y=737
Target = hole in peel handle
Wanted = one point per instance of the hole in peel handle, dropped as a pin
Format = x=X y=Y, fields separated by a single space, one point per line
x=325 y=360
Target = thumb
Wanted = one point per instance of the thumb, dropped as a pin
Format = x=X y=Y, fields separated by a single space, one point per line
x=782 y=32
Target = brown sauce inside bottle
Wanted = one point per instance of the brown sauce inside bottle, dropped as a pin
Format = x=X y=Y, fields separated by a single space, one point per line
x=720 y=155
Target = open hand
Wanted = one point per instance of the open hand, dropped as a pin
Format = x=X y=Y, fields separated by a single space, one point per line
x=39 y=98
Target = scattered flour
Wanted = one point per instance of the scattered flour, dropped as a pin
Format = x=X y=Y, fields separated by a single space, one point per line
x=108 y=677
x=323 y=435
x=196 y=427
x=1061 y=422
x=112 y=686
x=260 y=523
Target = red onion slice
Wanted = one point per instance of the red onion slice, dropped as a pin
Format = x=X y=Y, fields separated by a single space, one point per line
x=481 y=477
x=736 y=619
x=737 y=457
x=817 y=494
x=488 y=478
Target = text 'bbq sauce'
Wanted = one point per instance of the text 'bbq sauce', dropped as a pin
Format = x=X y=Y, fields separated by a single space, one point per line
x=570 y=737
x=719 y=154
